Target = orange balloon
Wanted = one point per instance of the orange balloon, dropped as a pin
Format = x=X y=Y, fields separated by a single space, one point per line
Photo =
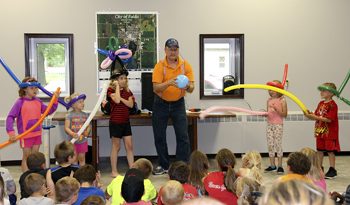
x=52 y=101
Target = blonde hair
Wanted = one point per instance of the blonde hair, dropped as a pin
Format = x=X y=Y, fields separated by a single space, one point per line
x=277 y=93
x=172 y=193
x=295 y=192
x=144 y=165
x=69 y=98
x=252 y=160
x=244 y=186
x=66 y=188
x=202 y=201
x=315 y=172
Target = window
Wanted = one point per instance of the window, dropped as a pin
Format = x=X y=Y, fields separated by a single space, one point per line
x=221 y=65
x=49 y=58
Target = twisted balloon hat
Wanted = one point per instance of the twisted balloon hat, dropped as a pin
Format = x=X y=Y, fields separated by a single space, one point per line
x=26 y=84
x=340 y=89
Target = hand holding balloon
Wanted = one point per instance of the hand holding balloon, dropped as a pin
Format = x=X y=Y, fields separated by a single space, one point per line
x=182 y=81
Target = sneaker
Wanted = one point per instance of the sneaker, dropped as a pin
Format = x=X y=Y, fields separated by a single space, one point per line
x=270 y=168
x=280 y=170
x=159 y=171
x=332 y=173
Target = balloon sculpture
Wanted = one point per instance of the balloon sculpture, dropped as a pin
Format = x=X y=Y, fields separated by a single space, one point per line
x=26 y=84
x=340 y=89
x=277 y=87
x=228 y=109
x=124 y=55
x=280 y=85
x=53 y=99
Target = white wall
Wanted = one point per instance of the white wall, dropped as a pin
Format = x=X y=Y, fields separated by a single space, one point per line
x=311 y=36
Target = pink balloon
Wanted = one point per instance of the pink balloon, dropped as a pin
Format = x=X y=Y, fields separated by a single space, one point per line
x=228 y=109
x=122 y=53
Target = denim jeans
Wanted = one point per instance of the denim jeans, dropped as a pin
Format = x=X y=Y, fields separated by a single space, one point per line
x=176 y=111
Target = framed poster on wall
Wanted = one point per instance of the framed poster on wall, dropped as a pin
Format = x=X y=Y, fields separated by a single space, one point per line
x=136 y=30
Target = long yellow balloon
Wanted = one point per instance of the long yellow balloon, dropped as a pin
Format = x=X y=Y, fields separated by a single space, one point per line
x=268 y=87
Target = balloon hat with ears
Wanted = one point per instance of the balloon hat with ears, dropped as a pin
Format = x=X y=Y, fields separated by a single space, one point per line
x=277 y=84
x=340 y=89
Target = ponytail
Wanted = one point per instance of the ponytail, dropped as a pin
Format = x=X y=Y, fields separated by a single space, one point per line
x=229 y=179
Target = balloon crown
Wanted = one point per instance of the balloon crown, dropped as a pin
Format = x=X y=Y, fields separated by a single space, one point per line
x=328 y=88
x=74 y=100
x=29 y=84
x=277 y=84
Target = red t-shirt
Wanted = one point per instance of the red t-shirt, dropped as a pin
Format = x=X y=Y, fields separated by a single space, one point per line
x=327 y=130
x=214 y=185
x=119 y=112
x=190 y=192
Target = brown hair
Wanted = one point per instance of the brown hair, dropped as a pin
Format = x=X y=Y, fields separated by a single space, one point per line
x=199 y=166
x=2 y=189
x=144 y=165
x=66 y=188
x=226 y=161
x=64 y=150
x=86 y=173
x=21 y=91
x=332 y=85
x=315 y=172
x=35 y=160
x=299 y=163
x=179 y=171
x=34 y=183
x=93 y=200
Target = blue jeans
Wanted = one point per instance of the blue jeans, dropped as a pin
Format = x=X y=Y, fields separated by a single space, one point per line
x=176 y=111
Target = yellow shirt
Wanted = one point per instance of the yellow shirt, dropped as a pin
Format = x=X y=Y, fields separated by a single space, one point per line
x=163 y=72
x=288 y=177
x=114 y=189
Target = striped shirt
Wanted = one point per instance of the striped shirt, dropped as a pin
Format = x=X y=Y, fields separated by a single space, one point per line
x=119 y=112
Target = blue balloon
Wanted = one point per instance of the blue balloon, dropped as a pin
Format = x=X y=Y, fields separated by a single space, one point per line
x=182 y=81
x=9 y=71
x=26 y=84
x=102 y=52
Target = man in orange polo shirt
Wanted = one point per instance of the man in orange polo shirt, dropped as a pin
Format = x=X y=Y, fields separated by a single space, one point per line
x=169 y=102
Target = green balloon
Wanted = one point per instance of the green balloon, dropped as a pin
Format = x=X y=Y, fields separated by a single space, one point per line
x=345 y=81
x=345 y=100
x=330 y=89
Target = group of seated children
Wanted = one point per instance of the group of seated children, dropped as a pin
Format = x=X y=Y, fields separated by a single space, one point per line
x=188 y=183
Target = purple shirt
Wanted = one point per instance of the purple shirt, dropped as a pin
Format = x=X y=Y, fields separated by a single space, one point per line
x=27 y=112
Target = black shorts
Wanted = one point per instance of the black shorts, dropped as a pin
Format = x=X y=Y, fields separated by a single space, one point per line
x=119 y=130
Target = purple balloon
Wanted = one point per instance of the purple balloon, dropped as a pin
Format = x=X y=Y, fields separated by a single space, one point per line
x=60 y=100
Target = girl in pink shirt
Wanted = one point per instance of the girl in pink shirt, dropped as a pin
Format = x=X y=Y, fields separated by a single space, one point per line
x=26 y=111
x=277 y=110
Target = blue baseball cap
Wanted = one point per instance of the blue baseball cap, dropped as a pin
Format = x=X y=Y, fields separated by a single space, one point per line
x=172 y=42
